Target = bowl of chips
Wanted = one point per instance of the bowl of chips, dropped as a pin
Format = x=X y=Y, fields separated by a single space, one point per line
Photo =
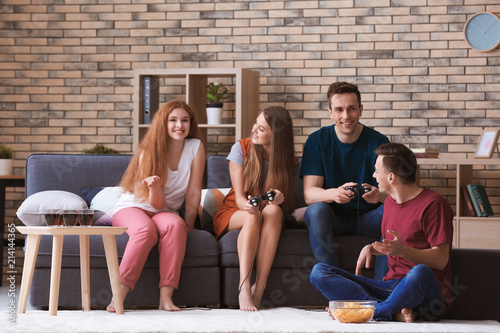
x=352 y=311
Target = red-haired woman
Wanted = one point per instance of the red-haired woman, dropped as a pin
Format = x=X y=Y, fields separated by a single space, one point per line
x=264 y=162
x=165 y=172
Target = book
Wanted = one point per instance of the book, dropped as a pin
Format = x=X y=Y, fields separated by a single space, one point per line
x=479 y=200
x=424 y=150
x=474 y=201
x=426 y=155
x=482 y=197
x=467 y=201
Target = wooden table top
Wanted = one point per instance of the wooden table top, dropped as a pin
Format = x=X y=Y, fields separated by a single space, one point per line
x=60 y=230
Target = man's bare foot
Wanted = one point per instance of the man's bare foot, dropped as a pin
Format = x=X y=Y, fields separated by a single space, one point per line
x=330 y=314
x=246 y=301
x=257 y=294
x=124 y=291
x=166 y=302
x=406 y=315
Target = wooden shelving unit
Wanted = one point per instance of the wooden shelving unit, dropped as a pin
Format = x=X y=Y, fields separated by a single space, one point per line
x=192 y=82
x=470 y=232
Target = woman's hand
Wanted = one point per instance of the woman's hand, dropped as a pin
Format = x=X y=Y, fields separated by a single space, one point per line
x=279 y=198
x=151 y=180
x=251 y=209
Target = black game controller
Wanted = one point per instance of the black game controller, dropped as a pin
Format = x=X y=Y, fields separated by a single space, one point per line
x=357 y=190
x=269 y=195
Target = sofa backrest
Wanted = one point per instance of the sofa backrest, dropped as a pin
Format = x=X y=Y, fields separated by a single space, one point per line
x=217 y=176
x=73 y=172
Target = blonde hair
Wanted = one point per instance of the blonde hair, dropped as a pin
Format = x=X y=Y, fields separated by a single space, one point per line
x=151 y=156
x=281 y=158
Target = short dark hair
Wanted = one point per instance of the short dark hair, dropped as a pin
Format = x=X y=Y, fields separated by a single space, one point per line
x=399 y=160
x=337 y=88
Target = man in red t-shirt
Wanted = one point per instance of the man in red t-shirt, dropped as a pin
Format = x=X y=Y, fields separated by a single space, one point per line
x=417 y=234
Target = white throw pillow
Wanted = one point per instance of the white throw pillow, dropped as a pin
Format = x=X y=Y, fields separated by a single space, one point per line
x=106 y=199
x=31 y=212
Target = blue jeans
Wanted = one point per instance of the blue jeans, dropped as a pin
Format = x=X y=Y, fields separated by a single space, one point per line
x=323 y=223
x=418 y=290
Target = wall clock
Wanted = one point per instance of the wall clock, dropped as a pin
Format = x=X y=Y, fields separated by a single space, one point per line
x=482 y=31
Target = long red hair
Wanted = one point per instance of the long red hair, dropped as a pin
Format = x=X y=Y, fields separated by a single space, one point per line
x=151 y=156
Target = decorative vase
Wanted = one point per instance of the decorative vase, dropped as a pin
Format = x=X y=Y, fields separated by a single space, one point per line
x=214 y=114
x=6 y=167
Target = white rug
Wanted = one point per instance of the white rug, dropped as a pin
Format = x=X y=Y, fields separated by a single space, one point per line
x=219 y=320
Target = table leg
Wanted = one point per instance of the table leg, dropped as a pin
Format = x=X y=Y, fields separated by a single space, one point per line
x=28 y=269
x=55 y=275
x=114 y=273
x=85 y=271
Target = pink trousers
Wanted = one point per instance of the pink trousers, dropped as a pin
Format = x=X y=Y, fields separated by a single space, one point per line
x=145 y=229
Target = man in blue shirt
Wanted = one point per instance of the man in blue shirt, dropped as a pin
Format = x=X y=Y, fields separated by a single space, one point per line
x=335 y=157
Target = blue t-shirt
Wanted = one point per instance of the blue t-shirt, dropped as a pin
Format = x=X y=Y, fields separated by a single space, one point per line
x=326 y=156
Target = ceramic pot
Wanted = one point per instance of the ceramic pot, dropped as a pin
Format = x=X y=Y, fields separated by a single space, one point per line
x=214 y=114
x=6 y=167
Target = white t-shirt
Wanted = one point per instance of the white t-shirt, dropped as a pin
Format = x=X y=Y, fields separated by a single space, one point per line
x=174 y=189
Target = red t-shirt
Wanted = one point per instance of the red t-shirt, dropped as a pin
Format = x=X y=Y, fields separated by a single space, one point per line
x=423 y=222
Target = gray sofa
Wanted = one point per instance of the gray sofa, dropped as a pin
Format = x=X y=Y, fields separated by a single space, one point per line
x=210 y=270
x=200 y=282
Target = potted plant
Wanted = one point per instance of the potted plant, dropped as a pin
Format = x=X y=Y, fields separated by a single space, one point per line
x=100 y=149
x=6 y=160
x=216 y=94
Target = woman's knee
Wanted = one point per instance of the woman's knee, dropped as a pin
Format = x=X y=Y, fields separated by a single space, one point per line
x=169 y=222
x=273 y=212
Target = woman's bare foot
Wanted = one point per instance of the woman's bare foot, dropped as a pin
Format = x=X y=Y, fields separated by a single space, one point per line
x=257 y=294
x=246 y=301
x=166 y=302
x=406 y=315
x=124 y=290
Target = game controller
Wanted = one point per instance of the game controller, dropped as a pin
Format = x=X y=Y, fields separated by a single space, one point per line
x=357 y=190
x=269 y=195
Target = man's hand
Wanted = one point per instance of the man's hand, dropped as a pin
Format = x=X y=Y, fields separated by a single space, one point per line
x=341 y=195
x=393 y=247
x=373 y=196
x=365 y=259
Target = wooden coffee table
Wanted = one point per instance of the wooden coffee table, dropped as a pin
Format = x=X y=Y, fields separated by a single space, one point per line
x=109 y=239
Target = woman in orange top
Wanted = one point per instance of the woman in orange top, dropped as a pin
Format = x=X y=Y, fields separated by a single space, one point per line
x=264 y=162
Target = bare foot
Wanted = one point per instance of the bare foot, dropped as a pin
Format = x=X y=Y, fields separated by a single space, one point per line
x=124 y=290
x=166 y=302
x=257 y=294
x=169 y=306
x=329 y=312
x=406 y=315
x=246 y=301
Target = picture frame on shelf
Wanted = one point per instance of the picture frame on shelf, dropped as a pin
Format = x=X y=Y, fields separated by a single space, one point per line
x=487 y=144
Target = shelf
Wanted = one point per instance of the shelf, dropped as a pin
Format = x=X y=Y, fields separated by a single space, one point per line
x=191 y=83
x=469 y=232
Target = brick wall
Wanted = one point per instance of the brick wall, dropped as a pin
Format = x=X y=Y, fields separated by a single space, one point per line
x=66 y=69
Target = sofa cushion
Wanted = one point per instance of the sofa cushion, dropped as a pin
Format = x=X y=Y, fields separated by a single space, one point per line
x=294 y=249
x=106 y=199
x=211 y=200
x=31 y=212
x=90 y=193
x=201 y=250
